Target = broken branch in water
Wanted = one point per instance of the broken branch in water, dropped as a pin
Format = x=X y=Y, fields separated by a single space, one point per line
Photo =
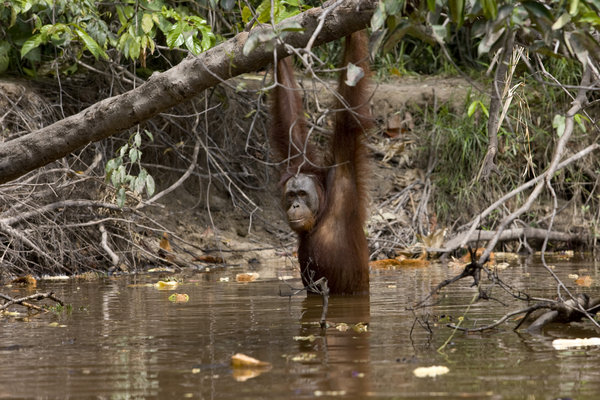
x=24 y=301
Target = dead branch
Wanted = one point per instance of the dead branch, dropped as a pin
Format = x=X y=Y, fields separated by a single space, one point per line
x=499 y=91
x=24 y=301
x=514 y=234
x=461 y=239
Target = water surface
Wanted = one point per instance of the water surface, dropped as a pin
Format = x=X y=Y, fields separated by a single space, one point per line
x=126 y=340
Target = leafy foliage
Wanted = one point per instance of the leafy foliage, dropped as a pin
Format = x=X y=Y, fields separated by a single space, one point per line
x=37 y=31
x=482 y=25
x=119 y=170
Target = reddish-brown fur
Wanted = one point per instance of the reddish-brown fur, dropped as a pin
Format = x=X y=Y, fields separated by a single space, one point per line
x=336 y=247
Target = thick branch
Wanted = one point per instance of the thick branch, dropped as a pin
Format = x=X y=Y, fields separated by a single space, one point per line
x=513 y=234
x=164 y=90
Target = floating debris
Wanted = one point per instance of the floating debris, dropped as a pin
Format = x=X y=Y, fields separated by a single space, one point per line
x=431 y=372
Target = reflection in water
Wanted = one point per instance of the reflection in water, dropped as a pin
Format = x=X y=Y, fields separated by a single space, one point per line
x=343 y=354
x=124 y=340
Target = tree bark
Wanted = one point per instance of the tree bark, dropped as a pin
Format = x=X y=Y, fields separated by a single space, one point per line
x=174 y=86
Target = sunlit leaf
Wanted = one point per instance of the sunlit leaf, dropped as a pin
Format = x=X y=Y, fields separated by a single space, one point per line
x=31 y=44
x=166 y=285
x=573 y=4
x=147 y=23
x=91 y=44
x=558 y=123
x=354 y=74
x=150 y=186
x=457 y=8
x=379 y=17
x=561 y=21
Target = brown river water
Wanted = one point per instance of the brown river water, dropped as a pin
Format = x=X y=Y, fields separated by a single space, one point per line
x=124 y=339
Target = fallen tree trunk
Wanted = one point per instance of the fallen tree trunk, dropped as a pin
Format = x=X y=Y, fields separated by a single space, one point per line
x=176 y=85
x=513 y=234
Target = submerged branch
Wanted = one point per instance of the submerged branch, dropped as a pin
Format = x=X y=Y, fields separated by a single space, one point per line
x=24 y=301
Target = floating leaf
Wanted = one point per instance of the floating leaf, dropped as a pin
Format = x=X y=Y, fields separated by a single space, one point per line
x=240 y=360
x=27 y=280
x=166 y=285
x=179 y=298
x=562 y=344
x=360 y=327
x=309 y=338
x=585 y=281
x=389 y=263
x=430 y=372
x=247 y=276
x=342 y=327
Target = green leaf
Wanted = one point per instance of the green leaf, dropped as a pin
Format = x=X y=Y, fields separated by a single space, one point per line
x=140 y=183
x=490 y=9
x=149 y=134
x=579 y=120
x=393 y=7
x=175 y=35
x=123 y=149
x=573 y=4
x=472 y=108
x=121 y=197
x=558 y=123
x=431 y=5
x=561 y=21
x=30 y=44
x=137 y=139
x=457 y=9
x=246 y=14
x=91 y=44
x=134 y=155
x=4 y=56
x=379 y=17
x=147 y=23
x=150 y=186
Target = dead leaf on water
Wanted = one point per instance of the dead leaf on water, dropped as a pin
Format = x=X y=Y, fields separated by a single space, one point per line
x=361 y=327
x=166 y=285
x=342 y=327
x=25 y=281
x=179 y=298
x=430 y=372
x=389 y=263
x=309 y=338
x=247 y=276
x=562 y=344
x=240 y=360
x=303 y=357
x=585 y=281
